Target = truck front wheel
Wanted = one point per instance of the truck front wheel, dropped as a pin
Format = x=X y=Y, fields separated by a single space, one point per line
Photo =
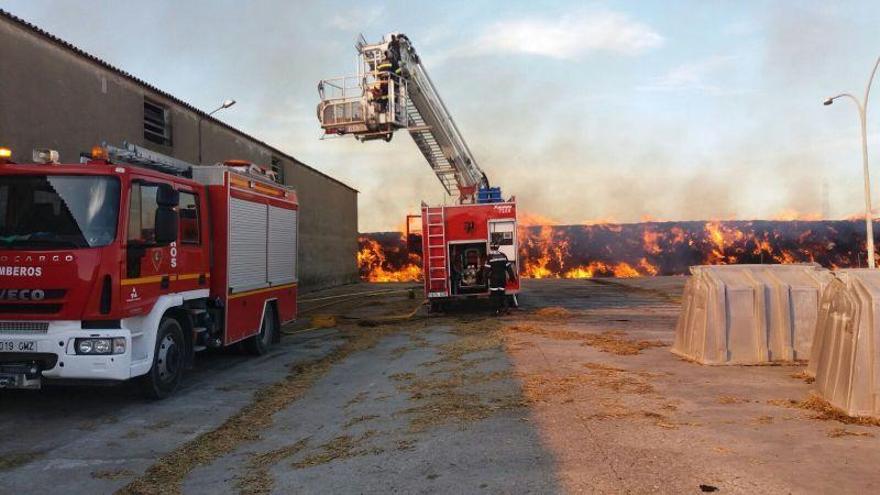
x=168 y=361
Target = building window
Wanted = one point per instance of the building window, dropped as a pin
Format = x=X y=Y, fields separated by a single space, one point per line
x=157 y=123
x=278 y=169
x=189 y=218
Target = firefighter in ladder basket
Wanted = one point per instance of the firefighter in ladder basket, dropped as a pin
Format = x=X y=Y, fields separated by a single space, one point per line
x=500 y=270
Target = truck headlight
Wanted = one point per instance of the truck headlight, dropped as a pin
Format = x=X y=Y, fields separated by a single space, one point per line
x=84 y=346
x=100 y=346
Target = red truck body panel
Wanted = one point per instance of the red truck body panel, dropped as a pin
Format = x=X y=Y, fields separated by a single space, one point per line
x=244 y=309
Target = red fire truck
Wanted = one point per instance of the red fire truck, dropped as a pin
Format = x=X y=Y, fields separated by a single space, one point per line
x=455 y=243
x=391 y=92
x=124 y=265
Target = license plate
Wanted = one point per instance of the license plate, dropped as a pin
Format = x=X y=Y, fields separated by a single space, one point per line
x=18 y=346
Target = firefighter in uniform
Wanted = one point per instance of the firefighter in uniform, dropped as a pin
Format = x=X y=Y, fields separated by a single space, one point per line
x=500 y=271
x=384 y=70
x=380 y=92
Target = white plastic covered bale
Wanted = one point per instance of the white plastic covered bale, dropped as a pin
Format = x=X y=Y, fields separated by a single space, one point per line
x=846 y=350
x=749 y=314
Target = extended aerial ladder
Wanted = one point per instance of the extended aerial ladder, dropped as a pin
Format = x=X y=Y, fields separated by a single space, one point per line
x=392 y=91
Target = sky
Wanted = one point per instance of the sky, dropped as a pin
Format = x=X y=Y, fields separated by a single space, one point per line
x=585 y=111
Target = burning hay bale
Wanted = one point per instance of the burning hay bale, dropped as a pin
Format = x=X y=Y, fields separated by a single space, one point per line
x=382 y=257
x=642 y=249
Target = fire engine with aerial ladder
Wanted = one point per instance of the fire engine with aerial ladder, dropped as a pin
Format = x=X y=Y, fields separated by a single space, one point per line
x=126 y=264
x=392 y=91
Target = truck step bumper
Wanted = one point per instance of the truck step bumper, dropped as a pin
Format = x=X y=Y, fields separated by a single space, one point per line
x=20 y=376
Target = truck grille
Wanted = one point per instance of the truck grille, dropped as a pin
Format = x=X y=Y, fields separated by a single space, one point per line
x=30 y=309
x=24 y=327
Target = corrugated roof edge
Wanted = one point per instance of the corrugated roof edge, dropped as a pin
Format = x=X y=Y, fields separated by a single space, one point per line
x=64 y=44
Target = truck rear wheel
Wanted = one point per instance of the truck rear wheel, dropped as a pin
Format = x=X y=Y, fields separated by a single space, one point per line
x=168 y=361
x=259 y=343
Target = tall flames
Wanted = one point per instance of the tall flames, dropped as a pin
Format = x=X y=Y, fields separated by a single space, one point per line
x=383 y=257
x=645 y=249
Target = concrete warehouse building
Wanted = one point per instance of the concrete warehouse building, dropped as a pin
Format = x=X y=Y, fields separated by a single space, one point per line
x=54 y=95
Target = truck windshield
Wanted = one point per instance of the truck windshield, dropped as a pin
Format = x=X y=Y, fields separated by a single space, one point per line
x=57 y=211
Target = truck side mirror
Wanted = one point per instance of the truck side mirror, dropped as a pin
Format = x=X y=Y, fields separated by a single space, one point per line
x=166 y=225
x=167 y=196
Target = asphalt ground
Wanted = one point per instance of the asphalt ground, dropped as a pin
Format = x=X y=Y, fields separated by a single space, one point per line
x=575 y=392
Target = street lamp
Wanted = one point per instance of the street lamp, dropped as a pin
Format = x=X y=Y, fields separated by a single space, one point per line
x=862 y=107
x=226 y=104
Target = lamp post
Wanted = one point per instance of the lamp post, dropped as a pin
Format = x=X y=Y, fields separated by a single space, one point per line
x=226 y=104
x=862 y=107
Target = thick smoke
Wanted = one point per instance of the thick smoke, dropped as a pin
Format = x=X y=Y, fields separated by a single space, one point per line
x=585 y=137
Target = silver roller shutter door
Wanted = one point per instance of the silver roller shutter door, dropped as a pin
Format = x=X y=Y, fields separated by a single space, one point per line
x=282 y=245
x=247 y=245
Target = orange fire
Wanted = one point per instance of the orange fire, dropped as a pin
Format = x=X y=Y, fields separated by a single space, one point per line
x=600 y=269
x=654 y=248
x=550 y=250
x=374 y=265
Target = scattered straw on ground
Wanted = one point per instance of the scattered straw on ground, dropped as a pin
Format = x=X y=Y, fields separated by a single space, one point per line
x=360 y=419
x=730 y=399
x=447 y=394
x=159 y=425
x=112 y=474
x=619 y=411
x=457 y=407
x=95 y=423
x=603 y=367
x=565 y=388
x=341 y=447
x=843 y=432
x=398 y=352
x=12 y=461
x=612 y=341
x=256 y=479
x=447 y=381
x=406 y=445
x=403 y=376
x=825 y=411
x=802 y=375
x=553 y=313
x=165 y=475
x=356 y=399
